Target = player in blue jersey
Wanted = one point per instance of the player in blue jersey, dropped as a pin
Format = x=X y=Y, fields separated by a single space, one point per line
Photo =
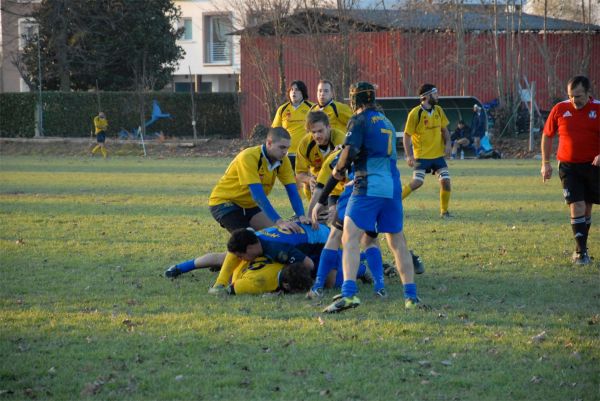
x=376 y=201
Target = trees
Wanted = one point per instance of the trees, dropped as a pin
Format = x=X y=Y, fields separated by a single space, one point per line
x=120 y=44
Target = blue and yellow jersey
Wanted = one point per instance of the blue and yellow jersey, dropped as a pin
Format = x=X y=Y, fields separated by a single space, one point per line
x=326 y=171
x=100 y=124
x=425 y=130
x=339 y=114
x=293 y=120
x=375 y=170
x=251 y=166
x=310 y=156
x=257 y=277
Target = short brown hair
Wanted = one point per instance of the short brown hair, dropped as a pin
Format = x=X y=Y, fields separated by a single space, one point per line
x=314 y=117
x=277 y=134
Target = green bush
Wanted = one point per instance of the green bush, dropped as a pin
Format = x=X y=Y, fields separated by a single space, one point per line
x=70 y=114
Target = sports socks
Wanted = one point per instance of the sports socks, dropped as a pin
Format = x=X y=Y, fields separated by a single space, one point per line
x=375 y=262
x=588 y=224
x=406 y=190
x=96 y=148
x=349 y=288
x=444 y=200
x=230 y=263
x=186 y=266
x=410 y=291
x=580 y=232
x=103 y=150
x=327 y=261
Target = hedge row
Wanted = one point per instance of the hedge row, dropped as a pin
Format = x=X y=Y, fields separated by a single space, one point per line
x=70 y=114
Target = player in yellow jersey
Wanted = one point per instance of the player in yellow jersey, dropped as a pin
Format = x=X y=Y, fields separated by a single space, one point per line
x=263 y=275
x=292 y=115
x=100 y=127
x=426 y=142
x=239 y=199
x=338 y=113
x=315 y=148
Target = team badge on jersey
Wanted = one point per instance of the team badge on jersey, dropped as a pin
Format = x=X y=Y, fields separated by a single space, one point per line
x=592 y=114
x=567 y=114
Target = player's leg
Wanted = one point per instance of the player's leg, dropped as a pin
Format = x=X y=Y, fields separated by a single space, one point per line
x=230 y=263
x=209 y=260
x=414 y=184
x=260 y=221
x=404 y=265
x=574 y=190
x=327 y=262
x=374 y=261
x=445 y=189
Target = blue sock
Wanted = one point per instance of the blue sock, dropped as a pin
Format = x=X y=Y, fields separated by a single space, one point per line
x=349 y=288
x=375 y=262
x=186 y=266
x=410 y=291
x=328 y=260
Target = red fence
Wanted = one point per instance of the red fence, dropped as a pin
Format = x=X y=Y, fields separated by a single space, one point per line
x=400 y=62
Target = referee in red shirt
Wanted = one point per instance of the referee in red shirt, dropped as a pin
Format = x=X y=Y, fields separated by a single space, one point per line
x=577 y=122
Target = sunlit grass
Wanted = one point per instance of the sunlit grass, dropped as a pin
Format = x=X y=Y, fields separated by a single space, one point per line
x=86 y=313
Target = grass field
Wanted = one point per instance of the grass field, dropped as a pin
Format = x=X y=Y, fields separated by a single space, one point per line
x=86 y=314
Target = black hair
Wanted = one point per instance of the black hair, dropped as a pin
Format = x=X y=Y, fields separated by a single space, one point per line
x=579 y=80
x=297 y=276
x=301 y=87
x=461 y=122
x=240 y=239
x=425 y=88
x=278 y=133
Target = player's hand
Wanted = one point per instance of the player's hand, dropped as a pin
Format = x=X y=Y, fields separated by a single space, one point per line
x=317 y=209
x=288 y=225
x=596 y=161
x=336 y=174
x=546 y=171
x=312 y=183
x=304 y=220
x=410 y=160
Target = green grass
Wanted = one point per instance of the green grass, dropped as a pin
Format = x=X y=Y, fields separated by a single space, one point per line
x=86 y=314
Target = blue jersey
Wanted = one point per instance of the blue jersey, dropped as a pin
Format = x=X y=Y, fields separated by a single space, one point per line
x=287 y=247
x=375 y=170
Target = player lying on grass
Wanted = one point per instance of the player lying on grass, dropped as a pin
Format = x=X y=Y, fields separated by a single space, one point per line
x=263 y=276
x=246 y=245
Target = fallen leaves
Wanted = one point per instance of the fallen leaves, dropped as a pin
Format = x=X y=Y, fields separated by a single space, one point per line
x=538 y=338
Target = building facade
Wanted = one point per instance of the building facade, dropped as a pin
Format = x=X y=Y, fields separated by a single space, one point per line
x=212 y=58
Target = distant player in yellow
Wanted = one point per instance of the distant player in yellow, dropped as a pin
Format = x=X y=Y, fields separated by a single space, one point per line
x=426 y=142
x=315 y=148
x=292 y=115
x=239 y=200
x=100 y=125
x=338 y=113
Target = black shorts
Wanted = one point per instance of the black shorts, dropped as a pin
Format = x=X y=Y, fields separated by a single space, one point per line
x=233 y=217
x=580 y=182
x=101 y=137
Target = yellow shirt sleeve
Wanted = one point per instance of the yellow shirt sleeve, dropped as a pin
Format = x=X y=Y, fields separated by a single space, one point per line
x=411 y=122
x=344 y=115
x=286 y=172
x=258 y=277
x=443 y=117
x=247 y=167
x=277 y=120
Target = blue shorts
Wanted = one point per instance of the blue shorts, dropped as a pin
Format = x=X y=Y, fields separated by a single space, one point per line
x=382 y=215
x=430 y=165
x=101 y=137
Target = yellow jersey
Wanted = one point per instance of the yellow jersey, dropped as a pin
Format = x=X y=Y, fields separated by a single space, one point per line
x=325 y=173
x=101 y=124
x=310 y=156
x=251 y=166
x=339 y=114
x=257 y=277
x=293 y=120
x=425 y=130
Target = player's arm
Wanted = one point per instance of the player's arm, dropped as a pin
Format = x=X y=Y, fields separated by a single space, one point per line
x=447 y=141
x=546 y=169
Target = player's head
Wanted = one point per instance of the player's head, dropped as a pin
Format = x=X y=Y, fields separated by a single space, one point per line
x=428 y=93
x=461 y=124
x=295 y=278
x=476 y=108
x=278 y=142
x=297 y=92
x=101 y=115
x=317 y=124
x=362 y=94
x=244 y=244
x=578 y=90
x=324 y=92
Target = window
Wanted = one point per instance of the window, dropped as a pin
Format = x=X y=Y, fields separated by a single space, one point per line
x=218 y=44
x=186 y=24
x=28 y=30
